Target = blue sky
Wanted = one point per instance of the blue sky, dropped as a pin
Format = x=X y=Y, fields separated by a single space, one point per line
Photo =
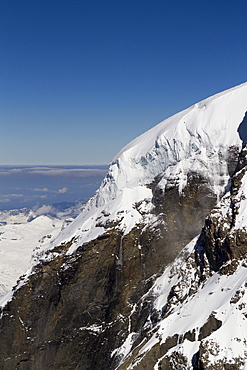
x=79 y=79
x=27 y=186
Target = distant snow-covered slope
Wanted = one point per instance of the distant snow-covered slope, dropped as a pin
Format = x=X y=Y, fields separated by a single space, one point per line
x=23 y=237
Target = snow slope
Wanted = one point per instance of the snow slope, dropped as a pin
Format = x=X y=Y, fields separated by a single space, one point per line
x=197 y=139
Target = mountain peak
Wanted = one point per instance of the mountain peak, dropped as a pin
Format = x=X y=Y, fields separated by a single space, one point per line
x=151 y=274
x=200 y=138
x=222 y=112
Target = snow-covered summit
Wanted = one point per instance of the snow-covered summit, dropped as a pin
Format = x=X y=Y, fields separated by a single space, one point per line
x=197 y=139
x=208 y=125
x=213 y=121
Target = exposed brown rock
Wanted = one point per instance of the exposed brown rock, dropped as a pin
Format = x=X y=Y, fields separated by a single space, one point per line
x=209 y=327
x=220 y=244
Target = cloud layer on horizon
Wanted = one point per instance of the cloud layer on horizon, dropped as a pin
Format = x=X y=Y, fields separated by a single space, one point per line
x=27 y=186
x=83 y=171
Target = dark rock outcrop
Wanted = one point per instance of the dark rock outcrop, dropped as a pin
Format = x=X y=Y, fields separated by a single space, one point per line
x=220 y=241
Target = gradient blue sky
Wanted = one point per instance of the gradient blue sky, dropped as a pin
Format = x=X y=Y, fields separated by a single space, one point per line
x=79 y=79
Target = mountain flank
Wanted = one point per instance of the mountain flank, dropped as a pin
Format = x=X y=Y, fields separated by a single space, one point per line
x=152 y=273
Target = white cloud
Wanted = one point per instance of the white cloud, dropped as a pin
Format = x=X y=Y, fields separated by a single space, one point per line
x=42 y=196
x=63 y=190
x=43 y=210
x=78 y=172
x=11 y=195
x=43 y=189
x=46 y=190
x=55 y=171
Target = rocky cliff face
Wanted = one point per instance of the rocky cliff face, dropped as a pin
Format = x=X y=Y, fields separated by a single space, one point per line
x=200 y=301
x=130 y=284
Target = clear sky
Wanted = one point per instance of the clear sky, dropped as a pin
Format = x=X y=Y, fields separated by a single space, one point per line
x=79 y=79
